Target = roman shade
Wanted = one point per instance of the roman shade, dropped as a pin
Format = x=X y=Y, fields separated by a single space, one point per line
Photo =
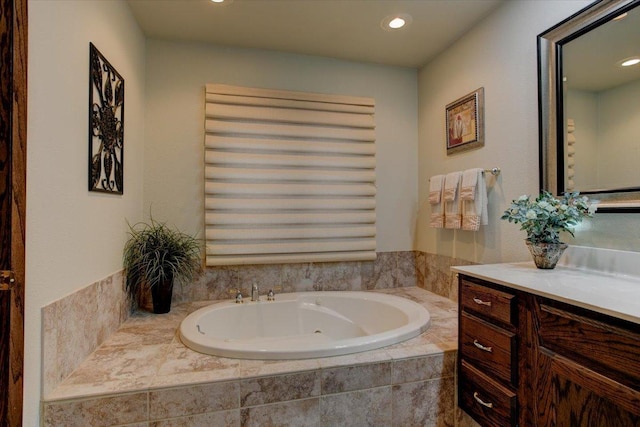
x=289 y=176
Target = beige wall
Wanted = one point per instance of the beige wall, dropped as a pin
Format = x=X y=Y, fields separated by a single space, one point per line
x=176 y=76
x=74 y=237
x=499 y=54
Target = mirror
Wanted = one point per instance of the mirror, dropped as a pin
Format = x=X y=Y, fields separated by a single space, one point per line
x=590 y=105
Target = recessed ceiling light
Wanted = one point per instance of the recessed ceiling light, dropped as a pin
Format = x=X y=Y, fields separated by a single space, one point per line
x=396 y=22
x=222 y=1
x=630 y=61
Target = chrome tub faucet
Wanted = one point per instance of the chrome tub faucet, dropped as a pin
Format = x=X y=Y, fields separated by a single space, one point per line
x=255 y=293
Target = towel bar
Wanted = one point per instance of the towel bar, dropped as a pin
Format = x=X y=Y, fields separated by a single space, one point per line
x=492 y=171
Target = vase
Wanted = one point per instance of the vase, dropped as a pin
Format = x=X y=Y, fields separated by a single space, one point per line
x=161 y=295
x=546 y=255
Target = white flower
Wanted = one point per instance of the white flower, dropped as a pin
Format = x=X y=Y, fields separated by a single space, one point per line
x=523 y=198
x=531 y=214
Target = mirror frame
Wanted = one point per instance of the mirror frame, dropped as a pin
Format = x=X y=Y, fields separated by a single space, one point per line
x=550 y=102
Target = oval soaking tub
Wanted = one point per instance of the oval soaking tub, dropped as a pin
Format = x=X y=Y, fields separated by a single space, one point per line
x=304 y=325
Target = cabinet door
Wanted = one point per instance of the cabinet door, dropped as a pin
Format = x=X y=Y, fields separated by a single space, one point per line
x=572 y=395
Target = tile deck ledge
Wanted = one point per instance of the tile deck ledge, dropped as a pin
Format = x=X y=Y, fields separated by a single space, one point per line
x=146 y=354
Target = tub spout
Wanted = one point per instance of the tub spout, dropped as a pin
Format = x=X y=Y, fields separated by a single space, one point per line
x=255 y=293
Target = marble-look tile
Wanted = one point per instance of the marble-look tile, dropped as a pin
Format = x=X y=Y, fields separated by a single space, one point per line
x=107 y=411
x=419 y=348
x=371 y=356
x=113 y=305
x=297 y=278
x=350 y=378
x=182 y=365
x=336 y=276
x=265 y=276
x=405 y=273
x=142 y=424
x=50 y=374
x=424 y=368
x=438 y=276
x=142 y=333
x=357 y=408
x=379 y=274
x=446 y=328
x=214 y=283
x=264 y=390
x=424 y=403
x=67 y=390
x=259 y=368
x=77 y=324
x=112 y=369
x=229 y=418
x=421 y=262
x=297 y=413
x=198 y=399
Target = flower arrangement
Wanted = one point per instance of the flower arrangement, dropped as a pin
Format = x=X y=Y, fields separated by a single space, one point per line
x=545 y=217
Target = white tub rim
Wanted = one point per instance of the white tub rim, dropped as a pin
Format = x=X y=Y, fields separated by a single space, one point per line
x=419 y=321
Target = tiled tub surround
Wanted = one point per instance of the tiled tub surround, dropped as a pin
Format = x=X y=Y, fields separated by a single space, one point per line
x=389 y=270
x=74 y=326
x=143 y=376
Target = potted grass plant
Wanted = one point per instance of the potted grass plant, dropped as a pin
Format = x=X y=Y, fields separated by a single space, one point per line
x=543 y=218
x=155 y=256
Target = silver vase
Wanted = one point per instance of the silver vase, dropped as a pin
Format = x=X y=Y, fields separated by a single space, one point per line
x=546 y=255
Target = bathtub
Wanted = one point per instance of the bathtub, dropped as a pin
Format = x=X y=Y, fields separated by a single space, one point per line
x=303 y=325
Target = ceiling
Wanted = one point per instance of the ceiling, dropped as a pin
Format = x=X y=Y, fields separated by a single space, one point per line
x=344 y=29
x=590 y=62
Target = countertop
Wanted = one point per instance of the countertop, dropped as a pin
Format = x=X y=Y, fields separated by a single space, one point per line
x=616 y=295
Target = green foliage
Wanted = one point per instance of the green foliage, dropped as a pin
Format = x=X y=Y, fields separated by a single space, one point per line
x=155 y=253
x=545 y=217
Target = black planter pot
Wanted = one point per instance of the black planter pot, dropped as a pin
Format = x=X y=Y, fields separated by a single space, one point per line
x=161 y=295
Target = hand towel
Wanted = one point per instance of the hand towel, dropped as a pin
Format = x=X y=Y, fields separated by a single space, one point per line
x=571 y=150
x=571 y=139
x=571 y=161
x=469 y=183
x=475 y=211
x=451 y=183
x=435 y=189
x=452 y=214
x=436 y=186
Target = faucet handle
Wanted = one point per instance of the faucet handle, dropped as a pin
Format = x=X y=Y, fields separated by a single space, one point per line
x=271 y=296
x=239 y=297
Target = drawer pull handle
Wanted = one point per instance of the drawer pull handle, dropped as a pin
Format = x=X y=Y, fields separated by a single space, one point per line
x=481 y=347
x=480 y=401
x=480 y=302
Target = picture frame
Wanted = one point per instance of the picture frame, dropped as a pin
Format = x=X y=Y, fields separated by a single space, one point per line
x=465 y=122
x=106 y=125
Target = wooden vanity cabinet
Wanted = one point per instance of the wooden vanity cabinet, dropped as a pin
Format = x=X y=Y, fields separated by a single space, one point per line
x=564 y=365
x=487 y=353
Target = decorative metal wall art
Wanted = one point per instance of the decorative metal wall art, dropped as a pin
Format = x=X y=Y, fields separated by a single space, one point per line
x=106 y=125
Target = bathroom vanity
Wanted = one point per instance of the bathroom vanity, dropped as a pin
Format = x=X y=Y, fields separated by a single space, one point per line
x=548 y=348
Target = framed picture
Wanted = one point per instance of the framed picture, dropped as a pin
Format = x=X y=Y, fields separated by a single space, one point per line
x=465 y=122
x=106 y=125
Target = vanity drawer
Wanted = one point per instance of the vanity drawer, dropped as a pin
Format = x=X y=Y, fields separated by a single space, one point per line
x=488 y=402
x=486 y=301
x=590 y=339
x=489 y=348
